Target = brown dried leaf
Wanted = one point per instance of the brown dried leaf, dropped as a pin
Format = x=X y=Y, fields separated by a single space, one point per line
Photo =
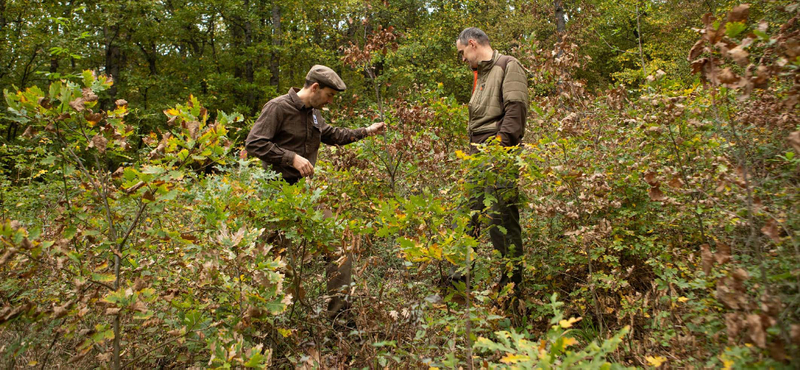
x=794 y=141
x=656 y=194
x=675 y=182
x=139 y=284
x=707 y=258
x=45 y=103
x=99 y=141
x=739 y=55
x=10 y=252
x=254 y=312
x=92 y=118
x=756 y=331
x=795 y=334
x=739 y=13
x=77 y=104
x=139 y=306
x=763 y=26
x=88 y=94
x=777 y=350
x=149 y=196
x=708 y=19
x=727 y=76
x=30 y=132
x=740 y=275
x=730 y=292
x=194 y=129
x=650 y=178
x=121 y=102
x=723 y=254
x=733 y=325
x=697 y=49
x=60 y=311
x=772 y=230
x=113 y=311
x=103 y=357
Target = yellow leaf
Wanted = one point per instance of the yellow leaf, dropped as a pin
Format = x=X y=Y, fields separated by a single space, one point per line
x=568 y=323
x=655 y=361
x=727 y=364
x=284 y=332
x=513 y=359
x=683 y=299
x=569 y=341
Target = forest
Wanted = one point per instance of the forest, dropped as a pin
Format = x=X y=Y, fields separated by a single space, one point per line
x=658 y=186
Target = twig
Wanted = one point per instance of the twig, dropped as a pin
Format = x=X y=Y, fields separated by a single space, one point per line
x=639 y=31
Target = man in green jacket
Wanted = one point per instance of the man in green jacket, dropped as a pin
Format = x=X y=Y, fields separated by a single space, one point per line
x=497 y=111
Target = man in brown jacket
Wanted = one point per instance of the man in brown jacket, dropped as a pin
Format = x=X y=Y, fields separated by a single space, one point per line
x=287 y=134
x=286 y=138
x=497 y=109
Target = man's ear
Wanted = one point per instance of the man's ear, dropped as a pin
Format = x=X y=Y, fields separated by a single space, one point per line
x=314 y=87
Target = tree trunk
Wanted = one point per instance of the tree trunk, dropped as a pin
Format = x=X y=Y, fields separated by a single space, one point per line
x=113 y=58
x=275 y=61
x=2 y=14
x=561 y=19
x=150 y=55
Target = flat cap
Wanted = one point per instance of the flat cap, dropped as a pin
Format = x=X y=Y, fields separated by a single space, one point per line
x=326 y=76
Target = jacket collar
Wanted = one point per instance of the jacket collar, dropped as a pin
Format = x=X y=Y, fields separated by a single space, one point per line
x=486 y=65
x=296 y=102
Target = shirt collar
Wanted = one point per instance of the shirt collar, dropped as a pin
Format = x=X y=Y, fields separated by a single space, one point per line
x=486 y=65
x=296 y=101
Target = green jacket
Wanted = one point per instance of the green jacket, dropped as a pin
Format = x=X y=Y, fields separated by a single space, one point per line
x=499 y=101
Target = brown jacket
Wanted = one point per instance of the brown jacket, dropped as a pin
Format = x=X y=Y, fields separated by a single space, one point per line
x=286 y=128
x=499 y=101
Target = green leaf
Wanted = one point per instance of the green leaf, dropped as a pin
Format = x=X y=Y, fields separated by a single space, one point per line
x=50 y=160
x=257 y=361
x=105 y=278
x=88 y=77
x=733 y=29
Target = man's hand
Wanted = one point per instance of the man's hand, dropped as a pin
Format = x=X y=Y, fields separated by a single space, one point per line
x=302 y=165
x=376 y=128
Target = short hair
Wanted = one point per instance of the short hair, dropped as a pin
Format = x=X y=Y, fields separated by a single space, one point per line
x=322 y=86
x=473 y=33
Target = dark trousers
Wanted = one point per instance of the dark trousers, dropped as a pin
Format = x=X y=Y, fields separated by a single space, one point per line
x=338 y=272
x=505 y=231
x=502 y=218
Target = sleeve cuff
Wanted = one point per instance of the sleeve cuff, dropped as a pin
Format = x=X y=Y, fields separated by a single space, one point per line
x=288 y=158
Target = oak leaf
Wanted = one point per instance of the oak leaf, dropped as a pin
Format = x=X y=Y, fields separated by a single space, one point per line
x=77 y=104
x=772 y=230
x=99 y=141
x=756 y=330
x=88 y=94
x=656 y=194
x=739 y=13
x=794 y=141
x=707 y=258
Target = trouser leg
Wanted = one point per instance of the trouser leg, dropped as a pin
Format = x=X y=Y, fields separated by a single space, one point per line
x=338 y=275
x=505 y=214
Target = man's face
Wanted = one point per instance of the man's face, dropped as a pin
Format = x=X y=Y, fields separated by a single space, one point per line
x=322 y=97
x=468 y=53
